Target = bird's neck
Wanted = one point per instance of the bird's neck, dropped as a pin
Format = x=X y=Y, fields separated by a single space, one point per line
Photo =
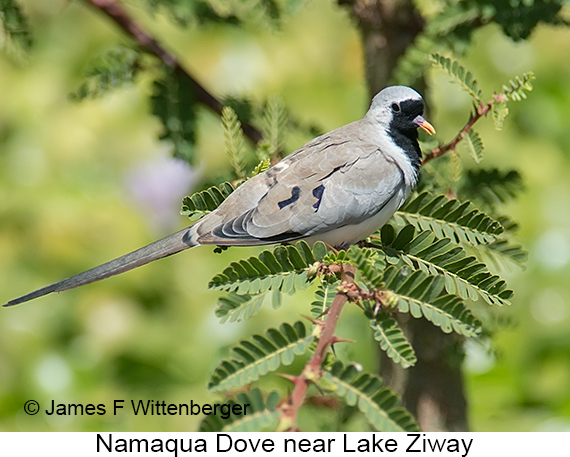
x=408 y=141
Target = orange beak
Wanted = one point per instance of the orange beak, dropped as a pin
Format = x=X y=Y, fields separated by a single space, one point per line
x=424 y=125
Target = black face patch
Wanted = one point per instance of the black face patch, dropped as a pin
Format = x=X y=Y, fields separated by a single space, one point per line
x=404 y=131
x=318 y=194
x=409 y=110
x=295 y=192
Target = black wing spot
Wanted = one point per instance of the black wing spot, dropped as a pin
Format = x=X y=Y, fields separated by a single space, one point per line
x=295 y=192
x=318 y=194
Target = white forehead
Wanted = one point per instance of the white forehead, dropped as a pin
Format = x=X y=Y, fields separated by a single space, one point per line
x=394 y=94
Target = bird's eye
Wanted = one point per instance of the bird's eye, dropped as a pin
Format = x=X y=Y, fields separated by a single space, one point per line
x=395 y=107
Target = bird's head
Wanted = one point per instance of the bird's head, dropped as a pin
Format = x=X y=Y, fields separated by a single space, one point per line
x=399 y=109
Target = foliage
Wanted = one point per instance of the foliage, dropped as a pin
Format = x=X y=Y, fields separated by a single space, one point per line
x=451 y=27
x=449 y=218
x=431 y=262
x=392 y=340
x=113 y=69
x=234 y=141
x=262 y=415
x=173 y=101
x=474 y=145
x=421 y=295
x=284 y=269
x=15 y=35
x=274 y=128
x=421 y=268
x=463 y=77
x=259 y=356
x=258 y=12
x=491 y=187
x=203 y=202
x=379 y=404
x=426 y=252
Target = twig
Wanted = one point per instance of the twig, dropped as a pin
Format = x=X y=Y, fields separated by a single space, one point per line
x=482 y=111
x=114 y=10
x=474 y=117
x=312 y=370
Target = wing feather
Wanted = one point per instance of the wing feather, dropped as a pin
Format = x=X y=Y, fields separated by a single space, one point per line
x=283 y=204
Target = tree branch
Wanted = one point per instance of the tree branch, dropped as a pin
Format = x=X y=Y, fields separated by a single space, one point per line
x=312 y=370
x=482 y=111
x=114 y=10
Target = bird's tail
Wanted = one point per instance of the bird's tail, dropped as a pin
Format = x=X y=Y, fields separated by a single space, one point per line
x=161 y=248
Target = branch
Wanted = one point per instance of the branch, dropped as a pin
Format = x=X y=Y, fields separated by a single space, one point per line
x=115 y=11
x=312 y=369
x=482 y=111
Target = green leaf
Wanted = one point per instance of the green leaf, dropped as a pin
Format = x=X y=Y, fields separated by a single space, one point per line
x=201 y=203
x=502 y=253
x=15 y=36
x=452 y=17
x=235 y=307
x=449 y=219
x=274 y=127
x=420 y=294
x=474 y=145
x=455 y=167
x=463 y=274
x=461 y=76
x=519 y=19
x=413 y=63
x=292 y=6
x=499 y=112
x=320 y=251
x=516 y=89
x=261 y=414
x=491 y=186
x=392 y=340
x=260 y=355
x=369 y=264
x=380 y=405
x=262 y=12
x=262 y=166
x=324 y=296
x=197 y=12
x=283 y=269
x=451 y=27
x=173 y=101
x=115 y=68
x=234 y=141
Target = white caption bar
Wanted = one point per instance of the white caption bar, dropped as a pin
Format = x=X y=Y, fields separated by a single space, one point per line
x=240 y=444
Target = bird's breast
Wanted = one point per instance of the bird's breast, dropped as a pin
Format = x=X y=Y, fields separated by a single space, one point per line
x=350 y=234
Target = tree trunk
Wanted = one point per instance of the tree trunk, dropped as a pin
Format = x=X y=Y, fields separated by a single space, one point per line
x=432 y=390
x=387 y=28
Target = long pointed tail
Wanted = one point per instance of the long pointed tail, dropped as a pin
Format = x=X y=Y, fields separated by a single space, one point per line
x=161 y=248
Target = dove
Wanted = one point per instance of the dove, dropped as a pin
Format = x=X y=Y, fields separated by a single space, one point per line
x=338 y=188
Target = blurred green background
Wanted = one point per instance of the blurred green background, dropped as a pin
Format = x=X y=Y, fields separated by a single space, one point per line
x=81 y=183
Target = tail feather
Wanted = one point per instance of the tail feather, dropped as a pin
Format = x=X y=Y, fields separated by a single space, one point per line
x=162 y=248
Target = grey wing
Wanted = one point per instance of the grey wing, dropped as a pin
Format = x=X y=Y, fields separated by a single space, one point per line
x=327 y=184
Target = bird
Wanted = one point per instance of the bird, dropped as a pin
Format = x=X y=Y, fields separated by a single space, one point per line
x=338 y=188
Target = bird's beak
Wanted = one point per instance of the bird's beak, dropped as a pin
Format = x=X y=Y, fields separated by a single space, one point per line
x=424 y=125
